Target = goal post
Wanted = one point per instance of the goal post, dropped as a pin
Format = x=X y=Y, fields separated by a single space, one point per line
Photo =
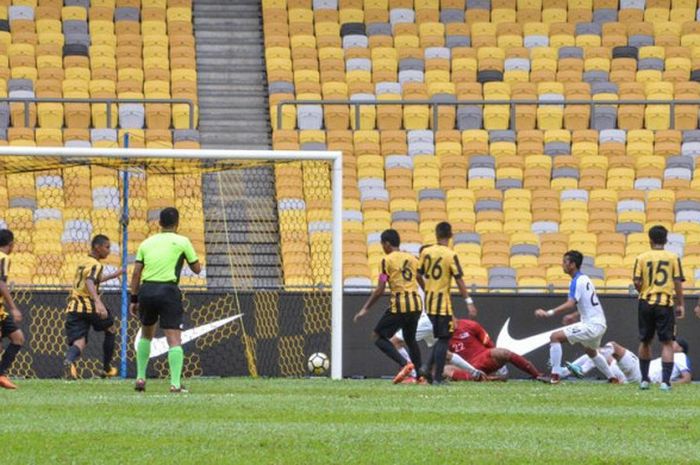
x=21 y=159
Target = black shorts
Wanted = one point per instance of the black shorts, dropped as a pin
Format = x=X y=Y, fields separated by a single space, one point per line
x=78 y=324
x=656 y=318
x=390 y=323
x=161 y=301
x=443 y=326
x=8 y=325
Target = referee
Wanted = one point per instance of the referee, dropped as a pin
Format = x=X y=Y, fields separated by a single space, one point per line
x=155 y=295
x=658 y=277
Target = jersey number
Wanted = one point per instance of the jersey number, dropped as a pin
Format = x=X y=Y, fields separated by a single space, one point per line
x=79 y=277
x=594 y=298
x=406 y=272
x=433 y=270
x=660 y=277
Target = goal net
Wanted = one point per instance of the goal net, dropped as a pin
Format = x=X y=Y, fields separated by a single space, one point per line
x=265 y=224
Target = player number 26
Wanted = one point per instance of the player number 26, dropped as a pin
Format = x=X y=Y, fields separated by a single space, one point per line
x=433 y=270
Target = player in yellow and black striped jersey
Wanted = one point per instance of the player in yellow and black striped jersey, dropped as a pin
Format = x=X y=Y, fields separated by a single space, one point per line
x=658 y=277
x=85 y=309
x=10 y=316
x=400 y=270
x=439 y=265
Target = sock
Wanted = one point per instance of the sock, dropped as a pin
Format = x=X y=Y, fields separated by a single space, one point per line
x=108 y=350
x=175 y=359
x=8 y=357
x=388 y=348
x=524 y=364
x=602 y=365
x=72 y=354
x=143 y=353
x=644 y=368
x=555 y=353
x=666 y=372
x=404 y=354
x=461 y=363
x=585 y=362
x=440 y=354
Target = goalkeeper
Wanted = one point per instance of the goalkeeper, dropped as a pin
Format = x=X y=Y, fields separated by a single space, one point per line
x=155 y=295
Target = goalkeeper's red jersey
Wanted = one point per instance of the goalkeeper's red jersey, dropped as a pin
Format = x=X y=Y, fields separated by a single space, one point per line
x=469 y=339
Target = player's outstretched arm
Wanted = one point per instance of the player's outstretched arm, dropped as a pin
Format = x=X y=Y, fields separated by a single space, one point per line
x=376 y=294
x=9 y=302
x=471 y=308
x=680 y=303
x=135 y=285
x=112 y=276
x=565 y=307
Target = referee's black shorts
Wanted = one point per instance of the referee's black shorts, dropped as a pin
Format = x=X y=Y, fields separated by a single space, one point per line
x=659 y=319
x=161 y=302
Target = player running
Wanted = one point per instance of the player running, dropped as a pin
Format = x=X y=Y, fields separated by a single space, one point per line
x=589 y=331
x=439 y=265
x=625 y=365
x=471 y=342
x=658 y=276
x=400 y=270
x=10 y=316
x=85 y=309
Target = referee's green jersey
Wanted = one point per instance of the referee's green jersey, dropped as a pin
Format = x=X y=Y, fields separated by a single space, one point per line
x=163 y=255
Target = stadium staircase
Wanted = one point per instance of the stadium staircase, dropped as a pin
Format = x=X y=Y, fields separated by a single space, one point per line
x=233 y=107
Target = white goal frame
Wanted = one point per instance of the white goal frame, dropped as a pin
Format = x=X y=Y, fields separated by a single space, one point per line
x=335 y=157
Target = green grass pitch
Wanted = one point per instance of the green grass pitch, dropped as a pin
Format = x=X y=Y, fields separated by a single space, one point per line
x=318 y=421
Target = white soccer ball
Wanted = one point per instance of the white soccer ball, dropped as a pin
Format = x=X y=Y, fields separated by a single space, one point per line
x=318 y=363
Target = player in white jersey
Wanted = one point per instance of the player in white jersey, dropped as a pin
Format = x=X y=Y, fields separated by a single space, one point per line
x=625 y=364
x=589 y=330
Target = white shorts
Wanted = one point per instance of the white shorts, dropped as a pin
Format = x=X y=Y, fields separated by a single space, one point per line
x=629 y=365
x=424 y=331
x=588 y=335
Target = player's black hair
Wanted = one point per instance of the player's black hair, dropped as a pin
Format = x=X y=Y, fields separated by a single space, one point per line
x=391 y=236
x=443 y=230
x=576 y=257
x=6 y=237
x=683 y=343
x=658 y=235
x=99 y=239
x=169 y=217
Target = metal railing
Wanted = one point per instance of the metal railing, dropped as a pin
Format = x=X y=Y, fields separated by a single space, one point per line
x=26 y=101
x=512 y=104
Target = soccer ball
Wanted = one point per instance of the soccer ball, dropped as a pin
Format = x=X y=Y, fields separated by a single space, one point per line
x=318 y=363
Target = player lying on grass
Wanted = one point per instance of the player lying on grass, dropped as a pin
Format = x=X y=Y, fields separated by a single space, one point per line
x=425 y=333
x=472 y=343
x=625 y=365
x=10 y=316
x=85 y=309
x=589 y=331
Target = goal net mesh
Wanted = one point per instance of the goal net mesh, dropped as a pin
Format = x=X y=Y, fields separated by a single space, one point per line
x=262 y=230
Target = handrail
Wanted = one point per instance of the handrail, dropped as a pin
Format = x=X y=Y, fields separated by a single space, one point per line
x=26 y=101
x=511 y=103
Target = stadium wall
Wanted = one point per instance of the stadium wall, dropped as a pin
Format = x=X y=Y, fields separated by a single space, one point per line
x=283 y=329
